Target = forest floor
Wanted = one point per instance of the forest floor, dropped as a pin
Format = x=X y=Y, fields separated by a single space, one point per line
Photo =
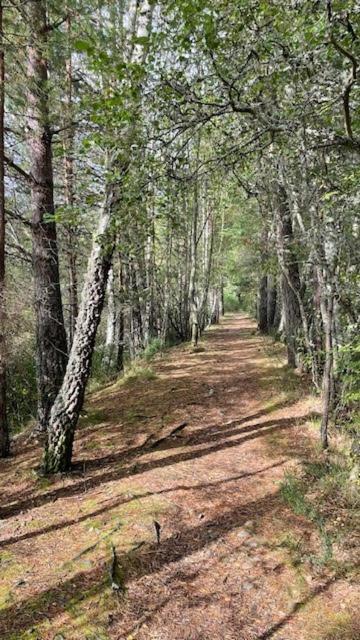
x=235 y=561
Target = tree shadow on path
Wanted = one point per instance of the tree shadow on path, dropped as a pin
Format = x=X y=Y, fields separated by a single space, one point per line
x=205 y=435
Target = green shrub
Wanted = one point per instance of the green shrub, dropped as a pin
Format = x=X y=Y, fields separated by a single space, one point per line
x=292 y=490
x=137 y=372
x=155 y=346
x=21 y=390
x=348 y=413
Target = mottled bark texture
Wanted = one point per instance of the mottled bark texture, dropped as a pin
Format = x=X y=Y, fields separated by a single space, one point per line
x=66 y=409
x=4 y=433
x=50 y=330
x=70 y=231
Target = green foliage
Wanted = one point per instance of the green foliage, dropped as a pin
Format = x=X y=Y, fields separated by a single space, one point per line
x=21 y=389
x=231 y=301
x=155 y=346
x=350 y=365
x=102 y=368
x=137 y=373
x=294 y=492
x=349 y=402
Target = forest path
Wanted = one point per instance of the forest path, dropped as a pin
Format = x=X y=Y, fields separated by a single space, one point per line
x=226 y=564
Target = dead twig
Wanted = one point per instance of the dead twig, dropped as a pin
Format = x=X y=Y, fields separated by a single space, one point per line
x=173 y=431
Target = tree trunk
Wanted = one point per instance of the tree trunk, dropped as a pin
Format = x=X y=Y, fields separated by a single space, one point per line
x=271 y=303
x=70 y=191
x=4 y=433
x=50 y=331
x=263 y=304
x=136 y=327
x=205 y=310
x=222 y=298
x=120 y=331
x=110 y=321
x=194 y=312
x=66 y=409
x=72 y=282
x=215 y=307
x=164 y=320
x=67 y=406
x=327 y=315
x=121 y=338
x=290 y=277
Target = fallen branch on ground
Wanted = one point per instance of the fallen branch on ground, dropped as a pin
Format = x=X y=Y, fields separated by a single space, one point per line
x=171 y=433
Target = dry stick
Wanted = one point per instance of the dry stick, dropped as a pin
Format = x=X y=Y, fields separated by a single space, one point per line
x=180 y=427
x=149 y=440
x=113 y=566
x=157 y=530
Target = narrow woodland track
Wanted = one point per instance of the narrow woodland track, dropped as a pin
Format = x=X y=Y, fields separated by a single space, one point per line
x=223 y=568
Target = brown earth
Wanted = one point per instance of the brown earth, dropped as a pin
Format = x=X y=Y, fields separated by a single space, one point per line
x=227 y=565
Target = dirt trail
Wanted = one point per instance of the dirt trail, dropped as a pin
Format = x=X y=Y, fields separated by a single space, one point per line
x=223 y=568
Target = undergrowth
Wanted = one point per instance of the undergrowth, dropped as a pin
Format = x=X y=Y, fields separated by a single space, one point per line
x=341 y=626
x=156 y=346
x=323 y=494
x=104 y=372
x=137 y=372
x=294 y=492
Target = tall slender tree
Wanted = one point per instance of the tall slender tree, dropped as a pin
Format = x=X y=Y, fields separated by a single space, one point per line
x=4 y=433
x=66 y=408
x=51 y=344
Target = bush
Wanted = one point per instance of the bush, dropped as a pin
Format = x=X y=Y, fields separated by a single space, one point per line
x=155 y=346
x=136 y=373
x=21 y=390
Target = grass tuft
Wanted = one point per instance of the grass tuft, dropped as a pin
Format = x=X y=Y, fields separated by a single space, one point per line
x=293 y=491
x=156 y=346
x=341 y=626
x=137 y=373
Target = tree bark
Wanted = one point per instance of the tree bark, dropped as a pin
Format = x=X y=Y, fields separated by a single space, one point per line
x=50 y=330
x=121 y=339
x=271 y=303
x=67 y=406
x=4 y=432
x=70 y=190
x=327 y=314
x=263 y=304
x=290 y=277
x=208 y=233
x=194 y=311
x=66 y=409
x=110 y=321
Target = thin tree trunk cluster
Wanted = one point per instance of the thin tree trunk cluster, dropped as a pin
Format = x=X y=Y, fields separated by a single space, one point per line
x=299 y=300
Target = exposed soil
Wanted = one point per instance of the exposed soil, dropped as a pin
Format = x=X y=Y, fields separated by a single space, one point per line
x=224 y=568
